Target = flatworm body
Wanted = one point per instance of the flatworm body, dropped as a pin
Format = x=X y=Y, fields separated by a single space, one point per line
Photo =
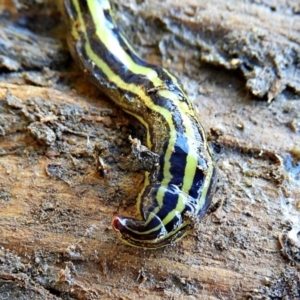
x=183 y=180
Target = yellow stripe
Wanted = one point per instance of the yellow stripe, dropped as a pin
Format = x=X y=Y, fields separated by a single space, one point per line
x=109 y=40
x=192 y=161
x=153 y=242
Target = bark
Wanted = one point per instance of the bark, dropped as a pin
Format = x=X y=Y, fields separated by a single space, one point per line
x=66 y=165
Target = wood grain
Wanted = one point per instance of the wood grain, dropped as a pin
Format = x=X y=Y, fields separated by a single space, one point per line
x=56 y=202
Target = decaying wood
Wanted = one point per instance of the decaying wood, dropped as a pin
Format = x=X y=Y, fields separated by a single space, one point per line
x=66 y=163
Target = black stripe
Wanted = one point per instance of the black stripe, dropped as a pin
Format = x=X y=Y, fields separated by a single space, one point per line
x=70 y=9
x=181 y=148
x=140 y=227
x=198 y=181
x=199 y=178
x=123 y=41
x=100 y=49
x=149 y=204
x=170 y=201
x=149 y=200
x=209 y=194
x=114 y=62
